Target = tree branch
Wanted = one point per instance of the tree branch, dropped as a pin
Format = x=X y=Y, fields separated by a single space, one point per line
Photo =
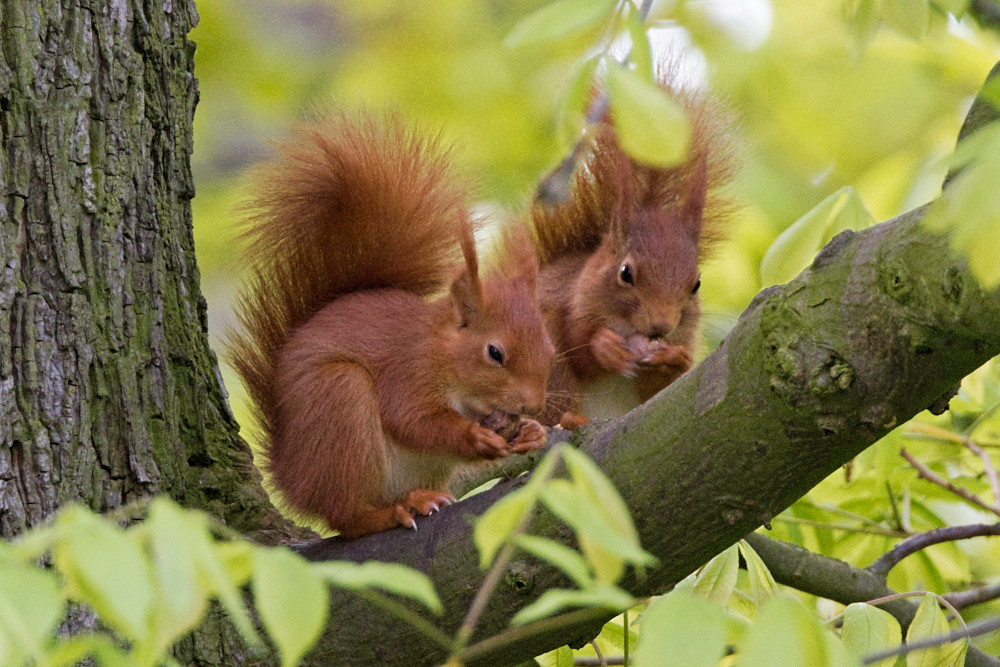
x=971 y=630
x=880 y=568
x=881 y=325
x=835 y=580
x=926 y=473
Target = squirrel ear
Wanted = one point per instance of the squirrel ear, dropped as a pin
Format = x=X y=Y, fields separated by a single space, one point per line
x=467 y=295
x=694 y=203
x=466 y=289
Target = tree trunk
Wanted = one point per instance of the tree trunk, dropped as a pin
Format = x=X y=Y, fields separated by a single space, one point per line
x=109 y=392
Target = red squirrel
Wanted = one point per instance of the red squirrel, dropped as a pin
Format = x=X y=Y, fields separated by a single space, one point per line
x=372 y=347
x=620 y=262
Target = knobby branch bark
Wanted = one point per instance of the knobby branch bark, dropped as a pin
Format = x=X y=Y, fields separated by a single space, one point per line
x=882 y=325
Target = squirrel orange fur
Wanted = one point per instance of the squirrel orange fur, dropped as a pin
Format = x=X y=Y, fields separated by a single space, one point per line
x=371 y=345
x=620 y=261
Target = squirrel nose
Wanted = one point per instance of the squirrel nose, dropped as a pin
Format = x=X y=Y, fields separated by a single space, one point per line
x=533 y=404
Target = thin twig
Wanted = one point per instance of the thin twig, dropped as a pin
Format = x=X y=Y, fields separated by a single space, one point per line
x=500 y=563
x=988 y=468
x=885 y=532
x=973 y=596
x=964 y=494
x=599 y=662
x=971 y=630
x=494 y=644
x=597 y=651
x=914 y=544
x=405 y=614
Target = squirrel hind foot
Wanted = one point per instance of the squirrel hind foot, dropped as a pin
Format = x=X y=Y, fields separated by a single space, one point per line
x=417 y=502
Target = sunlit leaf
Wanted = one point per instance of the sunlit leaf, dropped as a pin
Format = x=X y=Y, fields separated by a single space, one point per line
x=908 y=17
x=497 y=524
x=212 y=562
x=31 y=606
x=641 y=54
x=969 y=208
x=762 y=584
x=786 y=634
x=557 y=21
x=388 y=577
x=554 y=600
x=180 y=594
x=717 y=579
x=575 y=106
x=291 y=599
x=650 y=124
x=559 y=555
x=593 y=530
x=868 y=629
x=795 y=247
x=930 y=621
x=594 y=484
x=681 y=629
x=107 y=569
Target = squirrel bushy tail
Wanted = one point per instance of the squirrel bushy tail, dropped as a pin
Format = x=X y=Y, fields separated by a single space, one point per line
x=351 y=202
x=611 y=188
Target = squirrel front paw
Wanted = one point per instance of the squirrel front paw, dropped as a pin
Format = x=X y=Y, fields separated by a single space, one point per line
x=485 y=444
x=674 y=359
x=613 y=353
x=530 y=437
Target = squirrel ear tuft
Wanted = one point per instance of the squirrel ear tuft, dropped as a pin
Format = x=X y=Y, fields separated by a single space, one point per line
x=694 y=203
x=467 y=295
x=467 y=289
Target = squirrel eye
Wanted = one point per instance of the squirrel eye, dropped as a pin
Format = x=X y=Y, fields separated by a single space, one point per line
x=694 y=290
x=495 y=354
x=625 y=275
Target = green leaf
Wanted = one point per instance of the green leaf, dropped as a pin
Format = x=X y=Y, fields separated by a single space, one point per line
x=908 y=17
x=106 y=569
x=389 y=577
x=651 y=125
x=930 y=621
x=602 y=542
x=868 y=629
x=969 y=207
x=594 y=484
x=566 y=559
x=762 y=584
x=786 y=634
x=213 y=563
x=181 y=594
x=641 y=54
x=31 y=607
x=558 y=21
x=291 y=599
x=575 y=106
x=73 y=650
x=956 y=7
x=497 y=523
x=681 y=629
x=795 y=247
x=717 y=579
x=556 y=599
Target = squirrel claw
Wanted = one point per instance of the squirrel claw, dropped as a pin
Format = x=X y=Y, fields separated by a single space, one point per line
x=530 y=437
x=612 y=352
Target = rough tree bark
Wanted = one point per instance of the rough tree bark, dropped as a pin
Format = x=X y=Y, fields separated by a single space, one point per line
x=109 y=392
